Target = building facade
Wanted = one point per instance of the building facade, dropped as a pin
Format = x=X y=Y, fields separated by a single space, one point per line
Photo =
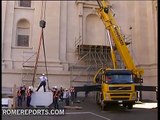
x=69 y=24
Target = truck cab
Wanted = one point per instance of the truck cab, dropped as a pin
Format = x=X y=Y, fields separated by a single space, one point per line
x=117 y=87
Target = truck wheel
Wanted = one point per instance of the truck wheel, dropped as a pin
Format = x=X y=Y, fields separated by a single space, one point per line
x=102 y=105
x=130 y=106
x=97 y=98
x=124 y=105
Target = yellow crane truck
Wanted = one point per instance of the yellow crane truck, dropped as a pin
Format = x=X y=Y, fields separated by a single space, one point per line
x=117 y=84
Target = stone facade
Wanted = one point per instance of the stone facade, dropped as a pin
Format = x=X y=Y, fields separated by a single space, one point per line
x=69 y=23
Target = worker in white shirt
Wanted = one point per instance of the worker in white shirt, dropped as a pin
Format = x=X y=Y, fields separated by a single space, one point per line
x=43 y=80
x=66 y=96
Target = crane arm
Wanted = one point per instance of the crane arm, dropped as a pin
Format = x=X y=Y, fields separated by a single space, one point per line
x=112 y=52
x=110 y=24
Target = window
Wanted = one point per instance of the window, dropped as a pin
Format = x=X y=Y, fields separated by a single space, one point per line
x=23 y=30
x=25 y=3
x=23 y=40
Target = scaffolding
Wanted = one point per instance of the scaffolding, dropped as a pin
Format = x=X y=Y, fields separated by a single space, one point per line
x=90 y=59
x=28 y=67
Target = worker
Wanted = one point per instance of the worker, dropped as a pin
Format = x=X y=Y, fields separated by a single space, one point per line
x=29 y=93
x=53 y=90
x=66 y=96
x=86 y=92
x=23 y=92
x=55 y=96
x=61 y=94
x=43 y=80
x=72 y=95
x=19 y=97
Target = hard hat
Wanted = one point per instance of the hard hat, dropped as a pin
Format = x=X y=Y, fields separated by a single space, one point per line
x=43 y=74
x=55 y=86
x=30 y=87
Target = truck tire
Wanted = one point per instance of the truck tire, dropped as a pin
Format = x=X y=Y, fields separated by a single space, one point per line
x=98 y=101
x=124 y=105
x=130 y=106
x=102 y=105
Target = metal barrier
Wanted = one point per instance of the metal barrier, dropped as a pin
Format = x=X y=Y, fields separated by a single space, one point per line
x=98 y=88
x=139 y=89
x=7 y=90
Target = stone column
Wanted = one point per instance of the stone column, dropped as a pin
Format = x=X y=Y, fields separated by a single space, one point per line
x=63 y=30
x=8 y=33
x=81 y=20
x=4 y=3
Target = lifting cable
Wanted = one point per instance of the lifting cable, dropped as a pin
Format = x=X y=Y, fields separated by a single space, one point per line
x=42 y=25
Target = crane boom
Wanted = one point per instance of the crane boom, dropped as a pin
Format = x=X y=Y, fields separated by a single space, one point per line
x=107 y=17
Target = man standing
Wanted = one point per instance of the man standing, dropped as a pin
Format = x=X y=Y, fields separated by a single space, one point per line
x=66 y=96
x=29 y=92
x=43 y=80
x=72 y=94
x=23 y=91
x=19 y=97
x=61 y=93
x=55 y=97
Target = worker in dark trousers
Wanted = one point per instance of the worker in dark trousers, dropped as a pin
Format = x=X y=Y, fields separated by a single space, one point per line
x=72 y=95
x=19 y=97
x=29 y=93
x=86 y=92
x=23 y=92
x=56 y=97
x=66 y=96
x=61 y=94
x=53 y=91
x=43 y=80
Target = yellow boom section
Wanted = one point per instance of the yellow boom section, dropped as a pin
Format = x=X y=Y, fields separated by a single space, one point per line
x=110 y=24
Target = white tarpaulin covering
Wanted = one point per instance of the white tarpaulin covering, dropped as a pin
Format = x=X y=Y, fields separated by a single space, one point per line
x=41 y=98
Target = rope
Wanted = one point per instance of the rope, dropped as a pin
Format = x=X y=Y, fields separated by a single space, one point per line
x=37 y=57
x=42 y=25
x=45 y=57
x=43 y=11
